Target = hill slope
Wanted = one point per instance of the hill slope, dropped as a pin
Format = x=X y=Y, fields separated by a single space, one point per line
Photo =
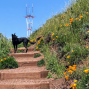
x=65 y=42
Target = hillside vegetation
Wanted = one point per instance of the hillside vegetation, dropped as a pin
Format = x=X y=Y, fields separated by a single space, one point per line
x=67 y=47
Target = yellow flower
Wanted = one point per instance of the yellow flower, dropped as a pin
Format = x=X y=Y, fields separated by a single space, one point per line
x=88 y=31
x=60 y=25
x=67 y=77
x=87 y=47
x=28 y=43
x=75 y=81
x=31 y=40
x=73 y=68
x=76 y=18
x=53 y=39
x=86 y=71
x=68 y=56
x=72 y=51
x=36 y=47
x=65 y=73
x=52 y=34
x=75 y=85
x=1 y=59
x=62 y=16
x=4 y=58
x=79 y=19
x=71 y=85
x=70 y=67
x=67 y=24
x=81 y=16
x=86 y=12
x=56 y=36
x=71 y=20
x=38 y=42
x=70 y=71
x=74 y=65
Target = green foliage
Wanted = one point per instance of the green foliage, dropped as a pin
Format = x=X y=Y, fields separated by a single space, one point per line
x=20 y=51
x=51 y=62
x=79 y=53
x=8 y=63
x=49 y=75
x=4 y=46
x=84 y=82
x=41 y=63
x=70 y=34
x=37 y=55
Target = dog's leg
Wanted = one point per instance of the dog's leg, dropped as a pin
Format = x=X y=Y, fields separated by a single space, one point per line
x=25 y=45
x=16 y=47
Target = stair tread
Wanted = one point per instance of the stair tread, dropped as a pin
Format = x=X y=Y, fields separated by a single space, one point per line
x=32 y=52
x=25 y=69
x=29 y=59
x=25 y=81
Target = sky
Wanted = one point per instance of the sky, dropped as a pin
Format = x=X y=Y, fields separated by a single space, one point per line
x=13 y=12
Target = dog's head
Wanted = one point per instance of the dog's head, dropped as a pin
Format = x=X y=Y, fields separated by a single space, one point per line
x=14 y=36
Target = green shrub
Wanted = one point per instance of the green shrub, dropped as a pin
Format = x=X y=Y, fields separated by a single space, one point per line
x=41 y=63
x=79 y=53
x=84 y=82
x=37 y=55
x=4 y=46
x=49 y=75
x=8 y=63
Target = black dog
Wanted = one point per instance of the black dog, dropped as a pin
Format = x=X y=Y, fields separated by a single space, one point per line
x=16 y=41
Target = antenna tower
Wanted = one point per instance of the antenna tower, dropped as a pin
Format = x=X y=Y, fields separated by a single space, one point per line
x=29 y=23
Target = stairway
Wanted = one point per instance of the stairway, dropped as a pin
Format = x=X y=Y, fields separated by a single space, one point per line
x=28 y=75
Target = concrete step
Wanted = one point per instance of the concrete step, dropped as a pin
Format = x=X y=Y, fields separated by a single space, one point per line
x=24 y=72
x=25 y=84
x=24 y=55
x=31 y=48
x=28 y=62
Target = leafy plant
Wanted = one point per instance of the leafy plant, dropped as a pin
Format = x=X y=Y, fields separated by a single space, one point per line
x=8 y=63
x=41 y=63
x=49 y=75
x=37 y=55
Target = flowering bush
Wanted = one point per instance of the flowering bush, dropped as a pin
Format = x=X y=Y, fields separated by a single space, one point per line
x=8 y=62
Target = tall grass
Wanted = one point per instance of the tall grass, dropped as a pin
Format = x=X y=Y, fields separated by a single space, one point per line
x=70 y=30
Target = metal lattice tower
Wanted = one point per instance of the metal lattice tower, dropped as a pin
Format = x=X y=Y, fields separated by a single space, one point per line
x=29 y=23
